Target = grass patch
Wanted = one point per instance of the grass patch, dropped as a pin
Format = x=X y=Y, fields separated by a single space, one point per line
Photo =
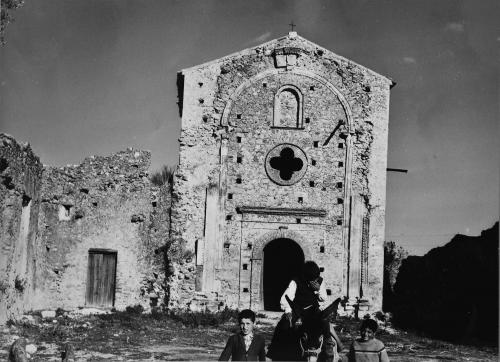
x=203 y=318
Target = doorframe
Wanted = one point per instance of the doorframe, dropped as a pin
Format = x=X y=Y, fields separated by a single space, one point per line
x=102 y=251
x=257 y=266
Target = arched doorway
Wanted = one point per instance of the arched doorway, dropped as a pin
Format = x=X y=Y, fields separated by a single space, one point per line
x=283 y=259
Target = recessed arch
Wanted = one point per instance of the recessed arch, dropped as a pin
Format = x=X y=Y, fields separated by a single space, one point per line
x=343 y=101
x=288 y=106
x=260 y=243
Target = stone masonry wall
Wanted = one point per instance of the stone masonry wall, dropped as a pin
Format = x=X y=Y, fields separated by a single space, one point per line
x=104 y=203
x=228 y=110
x=20 y=177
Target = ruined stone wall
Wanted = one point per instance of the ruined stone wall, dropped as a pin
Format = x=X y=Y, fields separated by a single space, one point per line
x=103 y=203
x=228 y=128
x=20 y=178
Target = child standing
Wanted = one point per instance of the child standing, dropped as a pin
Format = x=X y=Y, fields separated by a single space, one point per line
x=368 y=348
x=246 y=345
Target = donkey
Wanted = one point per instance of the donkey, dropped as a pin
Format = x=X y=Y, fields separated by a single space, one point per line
x=311 y=327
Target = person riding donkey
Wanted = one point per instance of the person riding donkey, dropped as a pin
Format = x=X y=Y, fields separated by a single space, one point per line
x=308 y=293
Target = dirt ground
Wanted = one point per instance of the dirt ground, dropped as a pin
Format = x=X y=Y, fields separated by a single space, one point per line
x=123 y=337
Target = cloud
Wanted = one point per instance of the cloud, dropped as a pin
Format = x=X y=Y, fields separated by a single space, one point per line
x=262 y=37
x=455 y=27
x=409 y=60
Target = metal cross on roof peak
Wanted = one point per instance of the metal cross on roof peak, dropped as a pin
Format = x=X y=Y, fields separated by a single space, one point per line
x=292 y=25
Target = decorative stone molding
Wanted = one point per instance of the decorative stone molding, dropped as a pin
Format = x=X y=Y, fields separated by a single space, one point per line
x=304 y=72
x=282 y=211
x=260 y=243
x=286 y=164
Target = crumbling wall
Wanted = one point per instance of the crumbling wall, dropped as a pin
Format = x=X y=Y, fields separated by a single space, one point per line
x=154 y=284
x=105 y=203
x=20 y=178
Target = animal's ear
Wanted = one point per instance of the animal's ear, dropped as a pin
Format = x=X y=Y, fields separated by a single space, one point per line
x=304 y=337
x=330 y=312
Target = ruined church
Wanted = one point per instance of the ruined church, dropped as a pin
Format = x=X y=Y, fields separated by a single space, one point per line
x=283 y=154
x=282 y=159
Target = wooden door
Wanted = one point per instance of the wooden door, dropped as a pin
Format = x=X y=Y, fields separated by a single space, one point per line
x=101 y=277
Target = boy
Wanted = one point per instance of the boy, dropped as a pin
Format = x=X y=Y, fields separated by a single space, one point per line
x=368 y=348
x=246 y=345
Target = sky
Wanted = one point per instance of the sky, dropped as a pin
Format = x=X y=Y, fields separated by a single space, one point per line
x=84 y=77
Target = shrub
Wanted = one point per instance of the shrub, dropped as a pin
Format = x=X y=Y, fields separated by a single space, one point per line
x=4 y=285
x=163 y=176
x=19 y=284
x=136 y=309
x=203 y=318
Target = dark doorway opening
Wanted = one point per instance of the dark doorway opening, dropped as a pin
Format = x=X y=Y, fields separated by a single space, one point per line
x=283 y=259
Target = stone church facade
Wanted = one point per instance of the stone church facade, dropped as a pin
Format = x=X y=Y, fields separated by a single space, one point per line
x=283 y=154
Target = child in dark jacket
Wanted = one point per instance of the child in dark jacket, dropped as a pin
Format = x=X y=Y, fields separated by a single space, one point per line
x=246 y=345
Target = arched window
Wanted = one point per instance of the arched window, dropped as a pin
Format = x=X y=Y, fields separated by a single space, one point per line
x=288 y=107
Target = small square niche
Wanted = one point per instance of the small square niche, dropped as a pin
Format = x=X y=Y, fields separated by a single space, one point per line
x=238 y=139
x=340 y=164
x=339 y=221
x=321 y=249
x=341 y=145
x=313 y=162
x=229 y=196
x=340 y=201
x=64 y=212
x=239 y=159
x=316 y=144
x=245 y=266
x=238 y=180
x=328 y=292
x=245 y=290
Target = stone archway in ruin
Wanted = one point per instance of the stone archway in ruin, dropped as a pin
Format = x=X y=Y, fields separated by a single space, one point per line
x=282 y=262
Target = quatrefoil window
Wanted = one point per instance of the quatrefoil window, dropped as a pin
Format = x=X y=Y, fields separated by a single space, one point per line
x=286 y=164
